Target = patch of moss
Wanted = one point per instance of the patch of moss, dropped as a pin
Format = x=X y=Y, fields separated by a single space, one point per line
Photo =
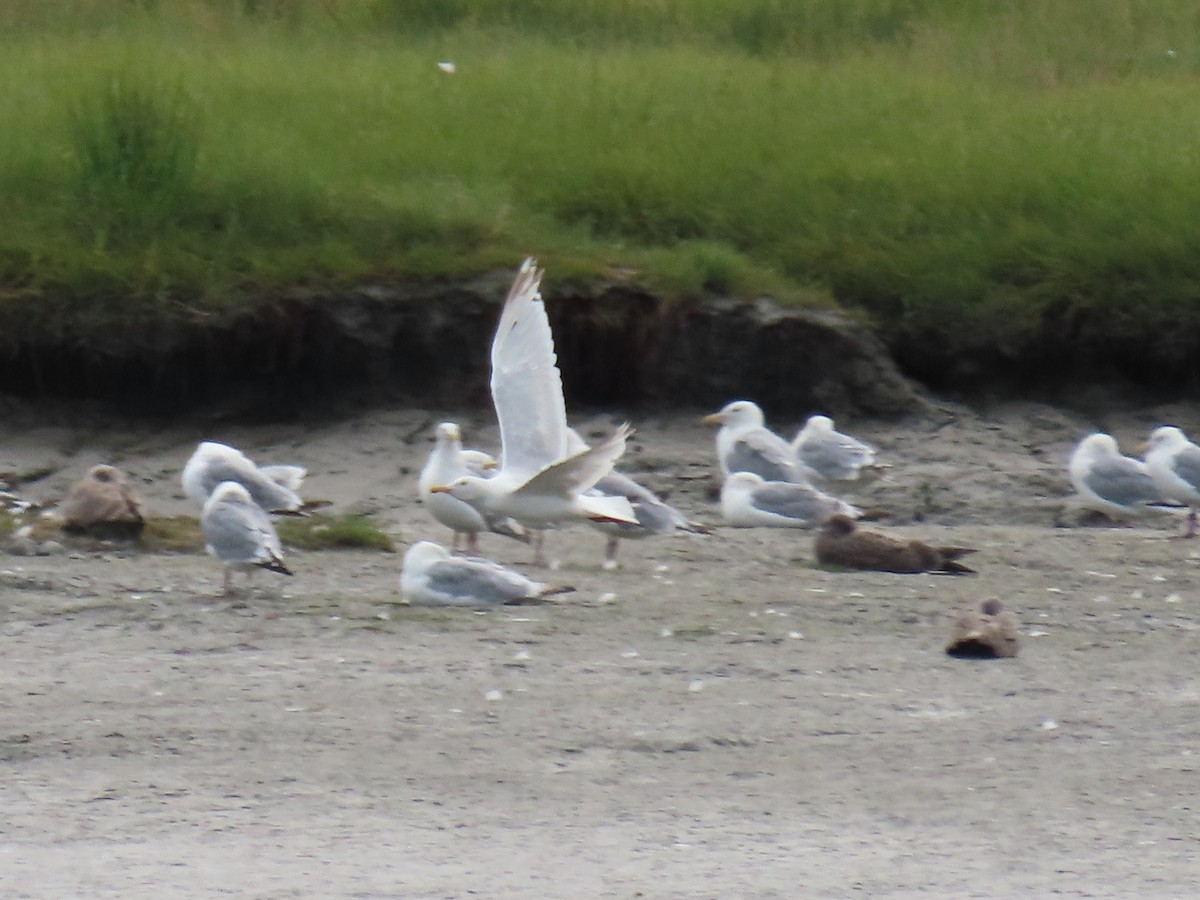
x=326 y=532
x=172 y=534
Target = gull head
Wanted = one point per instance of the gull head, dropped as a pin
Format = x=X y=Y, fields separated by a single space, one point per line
x=739 y=413
x=741 y=481
x=819 y=423
x=448 y=432
x=468 y=488
x=106 y=474
x=1099 y=446
x=839 y=525
x=423 y=554
x=1166 y=436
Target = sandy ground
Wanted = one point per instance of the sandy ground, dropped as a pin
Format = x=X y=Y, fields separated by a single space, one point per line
x=718 y=718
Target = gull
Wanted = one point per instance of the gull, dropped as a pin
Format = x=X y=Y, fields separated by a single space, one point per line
x=1174 y=463
x=273 y=488
x=1110 y=483
x=831 y=455
x=542 y=483
x=842 y=543
x=430 y=576
x=239 y=533
x=745 y=444
x=447 y=462
x=654 y=516
x=104 y=505
x=748 y=501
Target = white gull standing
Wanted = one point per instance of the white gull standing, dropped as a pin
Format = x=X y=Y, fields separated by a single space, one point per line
x=1107 y=482
x=239 y=533
x=430 y=576
x=541 y=482
x=448 y=461
x=1174 y=463
x=745 y=444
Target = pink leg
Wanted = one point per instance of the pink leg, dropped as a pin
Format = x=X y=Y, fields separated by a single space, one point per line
x=610 y=554
x=1191 y=525
x=472 y=544
x=539 y=556
x=454 y=541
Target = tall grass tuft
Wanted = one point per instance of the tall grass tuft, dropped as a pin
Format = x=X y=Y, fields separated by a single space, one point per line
x=135 y=147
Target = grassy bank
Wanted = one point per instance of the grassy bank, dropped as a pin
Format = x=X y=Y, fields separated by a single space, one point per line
x=971 y=171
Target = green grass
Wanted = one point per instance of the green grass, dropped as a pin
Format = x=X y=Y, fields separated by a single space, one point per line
x=319 y=531
x=979 y=172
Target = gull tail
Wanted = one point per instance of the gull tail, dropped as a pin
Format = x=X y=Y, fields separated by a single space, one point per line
x=275 y=564
x=614 y=510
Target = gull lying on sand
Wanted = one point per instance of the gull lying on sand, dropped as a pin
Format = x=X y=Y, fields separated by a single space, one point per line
x=842 y=543
x=448 y=462
x=239 y=533
x=747 y=501
x=103 y=504
x=541 y=483
x=430 y=576
x=274 y=488
x=1109 y=483
x=1174 y=463
x=831 y=455
x=745 y=444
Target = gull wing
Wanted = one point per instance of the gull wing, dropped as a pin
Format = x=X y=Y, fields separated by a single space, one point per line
x=581 y=471
x=237 y=531
x=1186 y=464
x=478 y=582
x=765 y=454
x=835 y=455
x=1121 y=481
x=526 y=384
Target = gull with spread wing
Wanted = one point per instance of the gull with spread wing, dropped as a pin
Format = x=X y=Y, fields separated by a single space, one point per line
x=542 y=482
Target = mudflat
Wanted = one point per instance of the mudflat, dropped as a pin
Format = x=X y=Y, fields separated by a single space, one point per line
x=719 y=717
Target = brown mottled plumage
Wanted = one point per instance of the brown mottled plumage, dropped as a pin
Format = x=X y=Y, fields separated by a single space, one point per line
x=990 y=633
x=842 y=543
x=103 y=505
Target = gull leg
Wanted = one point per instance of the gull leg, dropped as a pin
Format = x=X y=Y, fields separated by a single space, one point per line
x=473 y=543
x=610 y=554
x=1191 y=525
x=539 y=557
x=454 y=541
x=228 y=585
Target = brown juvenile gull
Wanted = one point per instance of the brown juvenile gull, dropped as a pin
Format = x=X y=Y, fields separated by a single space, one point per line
x=541 y=482
x=1118 y=486
x=239 y=533
x=747 y=501
x=431 y=576
x=274 y=488
x=1174 y=463
x=831 y=455
x=448 y=461
x=990 y=633
x=842 y=543
x=745 y=444
x=103 y=505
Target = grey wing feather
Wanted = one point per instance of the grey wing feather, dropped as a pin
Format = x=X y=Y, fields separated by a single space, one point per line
x=240 y=532
x=476 y=580
x=265 y=492
x=653 y=514
x=1121 y=482
x=790 y=500
x=1186 y=464
x=764 y=454
x=833 y=456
